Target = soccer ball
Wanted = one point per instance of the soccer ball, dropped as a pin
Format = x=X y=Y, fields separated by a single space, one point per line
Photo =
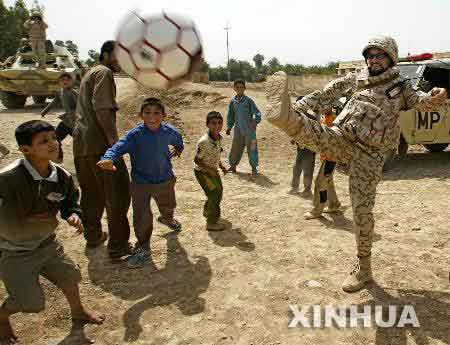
x=158 y=50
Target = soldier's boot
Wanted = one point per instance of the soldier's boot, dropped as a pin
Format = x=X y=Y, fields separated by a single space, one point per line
x=360 y=275
x=279 y=110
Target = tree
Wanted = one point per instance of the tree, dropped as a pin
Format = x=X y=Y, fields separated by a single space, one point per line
x=258 y=59
x=274 y=65
x=72 y=48
x=94 y=58
x=204 y=67
x=11 y=27
x=60 y=43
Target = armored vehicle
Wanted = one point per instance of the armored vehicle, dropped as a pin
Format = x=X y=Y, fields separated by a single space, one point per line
x=20 y=76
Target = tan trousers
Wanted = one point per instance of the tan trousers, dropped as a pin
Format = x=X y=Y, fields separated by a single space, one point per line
x=38 y=47
x=365 y=165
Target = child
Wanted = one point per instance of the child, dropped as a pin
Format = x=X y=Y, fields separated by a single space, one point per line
x=304 y=162
x=240 y=115
x=151 y=173
x=324 y=190
x=67 y=98
x=32 y=191
x=207 y=161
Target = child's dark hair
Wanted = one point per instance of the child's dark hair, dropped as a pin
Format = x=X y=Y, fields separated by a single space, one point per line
x=65 y=75
x=239 y=81
x=213 y=115
x=107 y=47
x=154 y=102
x=27 y=130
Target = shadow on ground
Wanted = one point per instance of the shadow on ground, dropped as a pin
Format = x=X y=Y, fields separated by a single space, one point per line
x=181 y=283
x=432 y=309
x=260 y=179
x=416 y=166
x=231 y=238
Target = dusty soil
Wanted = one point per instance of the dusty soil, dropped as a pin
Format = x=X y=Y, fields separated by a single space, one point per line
x=235 y=287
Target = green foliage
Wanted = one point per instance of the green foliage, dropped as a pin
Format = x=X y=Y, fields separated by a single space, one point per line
x=94 y=58
x=243 y=69
x=258 y=59
x=11 y=27
x=204 y=67
x=72 y=48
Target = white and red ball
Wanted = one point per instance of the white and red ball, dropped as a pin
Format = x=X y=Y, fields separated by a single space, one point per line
x=158 y=50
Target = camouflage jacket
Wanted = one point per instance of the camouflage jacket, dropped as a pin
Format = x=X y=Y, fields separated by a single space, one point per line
x=371 y=114
x=36 y=29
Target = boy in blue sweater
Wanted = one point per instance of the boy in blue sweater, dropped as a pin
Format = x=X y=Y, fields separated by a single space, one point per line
x=151 y=173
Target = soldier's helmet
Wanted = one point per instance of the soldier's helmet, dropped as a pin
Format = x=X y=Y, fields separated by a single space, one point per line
x=36 y=13
x=386 y=44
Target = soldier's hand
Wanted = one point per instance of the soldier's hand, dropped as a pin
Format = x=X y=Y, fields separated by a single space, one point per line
x=438 y=95
x=228 y=131
x=106 y=164
x=75 y=221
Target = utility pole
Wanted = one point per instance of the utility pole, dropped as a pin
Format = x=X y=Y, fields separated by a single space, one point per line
x=227 y=29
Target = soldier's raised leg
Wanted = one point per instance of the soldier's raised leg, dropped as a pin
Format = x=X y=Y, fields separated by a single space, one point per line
x=307 y=132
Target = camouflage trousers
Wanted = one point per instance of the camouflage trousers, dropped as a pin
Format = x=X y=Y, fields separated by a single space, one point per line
x=38 y=47
x=365 y=165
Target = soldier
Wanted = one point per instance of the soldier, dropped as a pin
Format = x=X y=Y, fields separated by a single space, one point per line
x=367 y=127
x=36 y=33
x=24 y=46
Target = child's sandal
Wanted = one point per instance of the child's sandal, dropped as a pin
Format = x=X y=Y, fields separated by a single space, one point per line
x=174 y=225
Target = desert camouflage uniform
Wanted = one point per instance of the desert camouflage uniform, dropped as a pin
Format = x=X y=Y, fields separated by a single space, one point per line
x=366 y=128
x=37 y=37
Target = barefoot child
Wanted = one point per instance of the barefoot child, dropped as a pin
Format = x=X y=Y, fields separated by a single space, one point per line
x=32 y=191
x=67 y=98
x=207 y=161
x=151 y=173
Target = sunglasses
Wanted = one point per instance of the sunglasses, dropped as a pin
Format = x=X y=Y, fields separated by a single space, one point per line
x=378 y=56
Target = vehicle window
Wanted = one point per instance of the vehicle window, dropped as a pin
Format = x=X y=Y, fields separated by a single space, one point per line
x=410 y=71
x=437 y=77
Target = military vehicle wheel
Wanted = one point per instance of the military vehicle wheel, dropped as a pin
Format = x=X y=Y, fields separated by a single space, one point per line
x=435 y=147
x=11 y=100
x=402 y=148
x=39 y=99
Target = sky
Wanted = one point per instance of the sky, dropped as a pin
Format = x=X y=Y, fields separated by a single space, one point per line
x=295 y=31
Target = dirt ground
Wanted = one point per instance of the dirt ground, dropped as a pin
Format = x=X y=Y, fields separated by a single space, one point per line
x=235 y=287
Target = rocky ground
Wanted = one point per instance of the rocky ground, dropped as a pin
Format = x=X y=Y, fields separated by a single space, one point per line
x=235 y=287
